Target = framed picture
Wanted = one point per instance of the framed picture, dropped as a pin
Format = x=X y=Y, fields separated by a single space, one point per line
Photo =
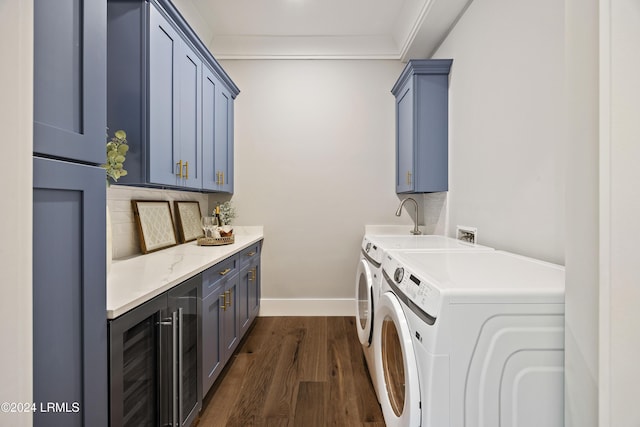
x=155 y=224
x=188 y=219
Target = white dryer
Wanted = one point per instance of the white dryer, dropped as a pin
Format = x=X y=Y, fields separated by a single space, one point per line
x=369 y=279
x=470 y=339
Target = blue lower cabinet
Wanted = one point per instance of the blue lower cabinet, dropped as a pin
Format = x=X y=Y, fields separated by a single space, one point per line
x=69 y=294
x=213 y=354
x=155 y=360
x=220 y=320
x=249 y=294
x=230 y=303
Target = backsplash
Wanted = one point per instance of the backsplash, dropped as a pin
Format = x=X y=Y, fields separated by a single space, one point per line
x=435 y=213
x=123 y=226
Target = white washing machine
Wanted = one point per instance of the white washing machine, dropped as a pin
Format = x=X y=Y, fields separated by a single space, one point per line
x=367 y=292
x=369 y=278
x=470 y=339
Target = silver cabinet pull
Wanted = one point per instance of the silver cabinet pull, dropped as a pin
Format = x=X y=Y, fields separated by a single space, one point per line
x=180 y=370
x=160 y=351
x=174 y=368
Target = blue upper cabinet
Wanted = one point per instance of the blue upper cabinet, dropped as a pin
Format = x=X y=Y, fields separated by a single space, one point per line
x=422 y=106
x=164 y=104
x=190 y=109
x=224 y=140
x=210 y=86
x=164 y=90
x=217 y=134
x=70 y=80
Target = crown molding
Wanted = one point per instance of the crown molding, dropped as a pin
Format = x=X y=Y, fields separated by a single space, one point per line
x=421 y=27
x=304 y=47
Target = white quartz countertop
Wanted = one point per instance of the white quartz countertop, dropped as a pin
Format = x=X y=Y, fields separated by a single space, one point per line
x=136 y=280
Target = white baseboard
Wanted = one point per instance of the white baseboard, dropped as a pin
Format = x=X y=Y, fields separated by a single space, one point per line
x=307 y=307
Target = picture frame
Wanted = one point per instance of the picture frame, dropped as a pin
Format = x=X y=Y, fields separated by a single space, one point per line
x=188 y=219
x=155 y=224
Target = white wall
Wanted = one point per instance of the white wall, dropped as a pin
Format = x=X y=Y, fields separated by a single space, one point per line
x=619 y=211
x=314 y=163
x=506 y=142
x=16 y=122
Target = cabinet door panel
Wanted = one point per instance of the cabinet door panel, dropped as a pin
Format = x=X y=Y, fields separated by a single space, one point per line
x=254 y=291
x=231 y=318
x=69 y=292
x=243 y=299
x=70 y=79
x=210 y=178
x=405 y=139
x=212 y=350
x=164 y=152
x=224 y=139
x=189 y=111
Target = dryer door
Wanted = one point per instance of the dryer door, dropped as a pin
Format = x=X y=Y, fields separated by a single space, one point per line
x=396 y=366
x=364 y=302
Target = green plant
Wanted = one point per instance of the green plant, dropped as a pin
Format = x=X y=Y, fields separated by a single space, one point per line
x=227 y=213
x=117 y=149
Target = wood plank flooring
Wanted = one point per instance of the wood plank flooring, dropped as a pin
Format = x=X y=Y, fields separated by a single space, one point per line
x=295 y=371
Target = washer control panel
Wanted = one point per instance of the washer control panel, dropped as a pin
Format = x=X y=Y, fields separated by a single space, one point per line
x=372 y=252
x=421 y=293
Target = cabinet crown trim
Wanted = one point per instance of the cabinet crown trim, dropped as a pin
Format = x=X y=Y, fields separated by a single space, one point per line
x=421 y=66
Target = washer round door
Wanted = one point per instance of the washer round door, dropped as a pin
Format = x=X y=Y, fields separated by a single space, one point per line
x=364 y=302
x=396 y=366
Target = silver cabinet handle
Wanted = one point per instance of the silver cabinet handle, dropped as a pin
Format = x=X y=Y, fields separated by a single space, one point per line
x=174 y=368
x=180 y=371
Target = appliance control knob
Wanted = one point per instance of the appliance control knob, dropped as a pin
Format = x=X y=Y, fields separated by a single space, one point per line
x=367 y=248
x=398 y=275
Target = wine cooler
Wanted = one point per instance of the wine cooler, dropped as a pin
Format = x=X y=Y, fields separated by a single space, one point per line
x=155 y=362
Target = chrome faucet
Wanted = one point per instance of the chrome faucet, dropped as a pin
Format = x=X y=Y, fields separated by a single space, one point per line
x=415 y=230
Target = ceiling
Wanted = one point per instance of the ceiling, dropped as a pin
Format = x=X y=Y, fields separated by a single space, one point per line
x=367 y=29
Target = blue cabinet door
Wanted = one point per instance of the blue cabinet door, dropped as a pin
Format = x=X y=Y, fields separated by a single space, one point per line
x=69 y=81
x=249 y=294
x=231 y=318
x=189 y=112
x=404 y=139
x=243 y=298
x=165 y=167
x=224 y=140
x=69 y=292
x=210 y=176
x=212 y=348
x=254 y=290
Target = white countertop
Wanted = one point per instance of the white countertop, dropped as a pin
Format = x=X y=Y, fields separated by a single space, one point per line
x=136 y=280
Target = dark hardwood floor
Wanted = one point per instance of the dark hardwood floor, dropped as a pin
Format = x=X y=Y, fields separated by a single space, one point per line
x=295 y=371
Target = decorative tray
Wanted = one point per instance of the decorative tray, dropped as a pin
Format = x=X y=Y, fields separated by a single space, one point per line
x=215 y=241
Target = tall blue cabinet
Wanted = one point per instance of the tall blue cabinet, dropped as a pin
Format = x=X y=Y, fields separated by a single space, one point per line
x=69 y=209
x=422 y=106
x=171 y=97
